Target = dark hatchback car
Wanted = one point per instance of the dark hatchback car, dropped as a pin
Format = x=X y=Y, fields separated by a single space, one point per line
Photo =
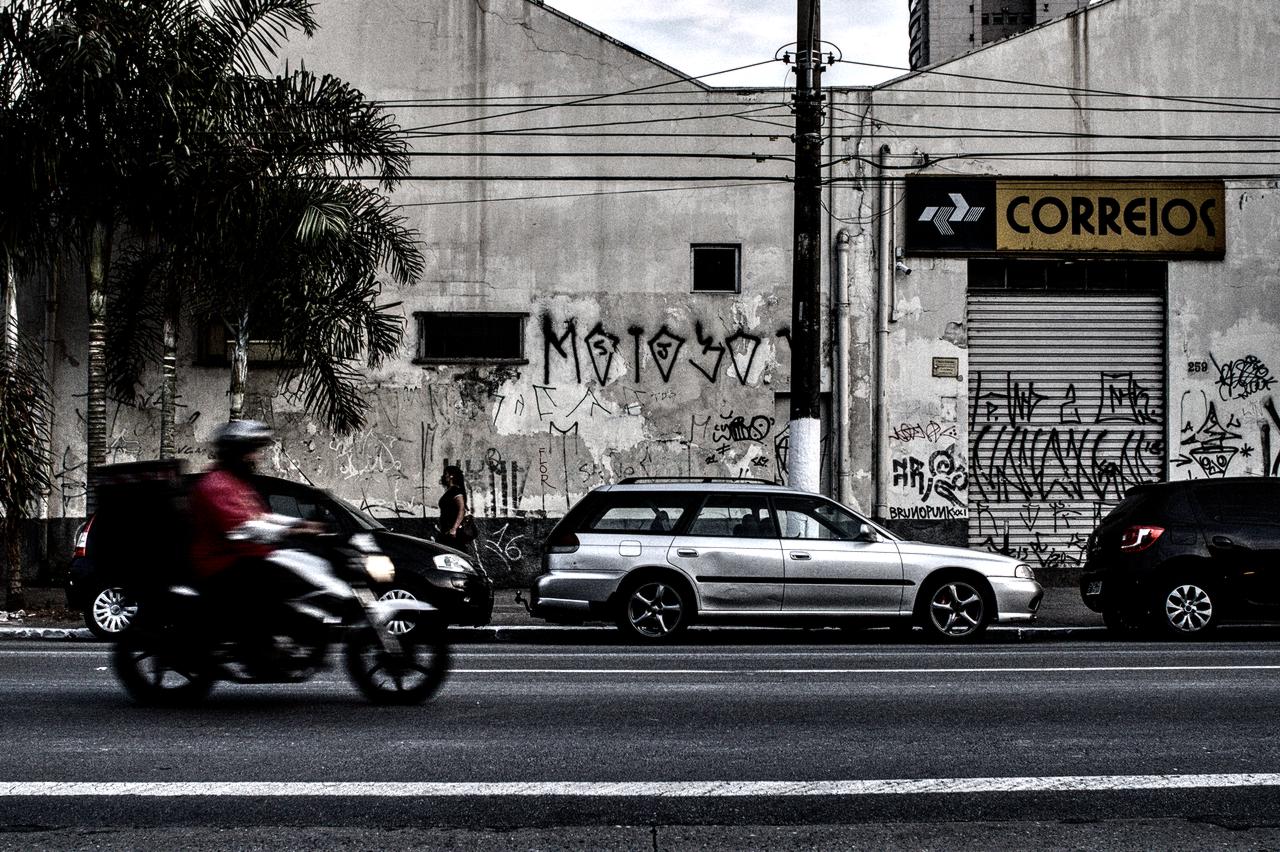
x=1181 y=557
x=425 y=570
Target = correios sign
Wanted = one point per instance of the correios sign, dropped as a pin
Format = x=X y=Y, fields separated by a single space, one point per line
x=1065 y=217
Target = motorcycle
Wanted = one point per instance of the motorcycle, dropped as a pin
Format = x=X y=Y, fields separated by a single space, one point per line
x=174 y=651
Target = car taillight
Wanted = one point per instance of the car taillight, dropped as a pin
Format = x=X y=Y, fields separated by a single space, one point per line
x=563 y=543
x=82 y=539
x=1139 y=538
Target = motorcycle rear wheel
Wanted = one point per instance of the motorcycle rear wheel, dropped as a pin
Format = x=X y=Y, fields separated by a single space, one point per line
x=154 y=676
x=411 y=676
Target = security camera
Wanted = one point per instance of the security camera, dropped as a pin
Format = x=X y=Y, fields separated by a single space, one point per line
x=899 y=266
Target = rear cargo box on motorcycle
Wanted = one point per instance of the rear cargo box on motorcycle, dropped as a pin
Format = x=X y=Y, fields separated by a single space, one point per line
x=141 y=531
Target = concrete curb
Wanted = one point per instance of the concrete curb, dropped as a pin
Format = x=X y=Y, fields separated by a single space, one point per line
x=75 y=634
x=548 y=633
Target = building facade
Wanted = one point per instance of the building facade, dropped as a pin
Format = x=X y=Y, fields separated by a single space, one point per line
x=939 y=30
x=1038 y=294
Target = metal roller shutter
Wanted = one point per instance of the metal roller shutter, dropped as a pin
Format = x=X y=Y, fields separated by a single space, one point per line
x=1066 y=412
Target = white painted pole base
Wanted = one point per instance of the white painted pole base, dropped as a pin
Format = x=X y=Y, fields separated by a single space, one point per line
x=804 y=455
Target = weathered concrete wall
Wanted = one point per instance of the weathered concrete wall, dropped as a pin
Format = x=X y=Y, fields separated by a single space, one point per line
x=627 y=371
x=1223 y=322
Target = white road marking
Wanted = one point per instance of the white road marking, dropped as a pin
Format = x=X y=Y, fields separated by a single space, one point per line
x=612 y=789
x=968 y=670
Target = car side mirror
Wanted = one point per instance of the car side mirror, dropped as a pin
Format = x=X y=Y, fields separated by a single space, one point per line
x=866 y=533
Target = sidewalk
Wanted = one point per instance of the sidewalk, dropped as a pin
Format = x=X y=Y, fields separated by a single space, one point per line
x=47 y=618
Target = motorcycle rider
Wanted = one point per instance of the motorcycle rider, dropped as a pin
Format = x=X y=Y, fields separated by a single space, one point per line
x=234 y=534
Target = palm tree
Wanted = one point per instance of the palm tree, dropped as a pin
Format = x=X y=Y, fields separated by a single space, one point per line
x=109 y=86
x=26 y=244
x=266 y=225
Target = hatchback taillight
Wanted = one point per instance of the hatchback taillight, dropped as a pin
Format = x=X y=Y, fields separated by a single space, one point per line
x=563 y=543
x=1139 y=537
x=82 y=539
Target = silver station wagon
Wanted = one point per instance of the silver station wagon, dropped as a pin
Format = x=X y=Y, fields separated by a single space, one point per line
x=654 y=555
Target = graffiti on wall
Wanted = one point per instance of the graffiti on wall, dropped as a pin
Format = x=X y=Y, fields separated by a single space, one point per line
x=703 y=350
x=610 y=400
x=1047 y=460
x=936 y=483
x=1231 y=429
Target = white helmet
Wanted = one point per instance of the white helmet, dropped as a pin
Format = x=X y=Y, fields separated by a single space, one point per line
x=238 y=437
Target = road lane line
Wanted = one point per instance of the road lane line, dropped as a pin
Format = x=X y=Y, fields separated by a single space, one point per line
x=969 y=670
x=632 y=789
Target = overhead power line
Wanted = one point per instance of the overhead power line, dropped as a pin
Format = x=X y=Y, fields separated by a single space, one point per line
x=1081 y=90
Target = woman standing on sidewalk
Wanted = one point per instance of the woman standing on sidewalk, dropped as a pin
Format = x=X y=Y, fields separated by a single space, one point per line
x=453 y=509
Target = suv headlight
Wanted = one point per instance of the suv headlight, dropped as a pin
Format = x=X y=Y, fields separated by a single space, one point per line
x=456 y=564
x=1024 y=572
x=379 y=567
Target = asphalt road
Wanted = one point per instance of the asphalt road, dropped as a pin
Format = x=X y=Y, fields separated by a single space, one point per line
x=790 y=744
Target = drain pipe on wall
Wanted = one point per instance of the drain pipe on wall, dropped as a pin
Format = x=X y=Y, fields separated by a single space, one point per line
x=884 y=305
x=840 y=376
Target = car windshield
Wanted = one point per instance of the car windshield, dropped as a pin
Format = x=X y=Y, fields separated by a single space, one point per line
x=362 y=518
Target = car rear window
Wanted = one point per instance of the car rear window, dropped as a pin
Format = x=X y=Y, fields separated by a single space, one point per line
x=640 y=514
x=1242 y=502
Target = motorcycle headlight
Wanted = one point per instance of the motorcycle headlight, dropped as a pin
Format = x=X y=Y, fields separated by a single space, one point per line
x=379 y=567
x=1024 y=572
x=456 y=564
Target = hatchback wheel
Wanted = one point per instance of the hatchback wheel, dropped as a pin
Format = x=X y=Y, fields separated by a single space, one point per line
x=1186 y=609
x=109 y=612
x=955 y=610
x=654 y=610
x=399 y=626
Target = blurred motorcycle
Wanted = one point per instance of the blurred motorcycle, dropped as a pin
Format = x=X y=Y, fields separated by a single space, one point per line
x=177 y=648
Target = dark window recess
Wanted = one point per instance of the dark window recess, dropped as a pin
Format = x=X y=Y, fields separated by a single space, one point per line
x=214 y=346
x=716 y=268
x=448 y=337
x=1092 y=276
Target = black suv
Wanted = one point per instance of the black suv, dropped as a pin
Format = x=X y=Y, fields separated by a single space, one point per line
x=425 y=570
x=1182 y=556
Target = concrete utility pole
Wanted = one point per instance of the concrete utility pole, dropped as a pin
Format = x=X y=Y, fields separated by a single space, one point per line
x=805 y=444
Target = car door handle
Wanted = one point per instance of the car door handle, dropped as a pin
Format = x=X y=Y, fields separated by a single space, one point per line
x=1223 y=541
x=686 y=551
x=800 y=554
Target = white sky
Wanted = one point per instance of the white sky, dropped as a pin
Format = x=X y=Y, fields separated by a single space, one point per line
x=702 y=36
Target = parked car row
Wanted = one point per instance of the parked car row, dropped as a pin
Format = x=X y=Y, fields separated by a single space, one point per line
x=655 y=555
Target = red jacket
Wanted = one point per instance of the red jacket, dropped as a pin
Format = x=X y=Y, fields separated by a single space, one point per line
x=222 y=502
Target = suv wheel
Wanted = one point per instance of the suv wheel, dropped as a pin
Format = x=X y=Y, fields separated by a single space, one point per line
x=1185 y=608
x=955 y=610
x=109 y=612
x=654 y=609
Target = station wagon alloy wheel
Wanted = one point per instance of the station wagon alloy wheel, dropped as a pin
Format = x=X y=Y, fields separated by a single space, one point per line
x=957 y=610
x=655 y=609
x=1188 y=608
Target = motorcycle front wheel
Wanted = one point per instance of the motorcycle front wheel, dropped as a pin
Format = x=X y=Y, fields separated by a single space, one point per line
x=408 y=676
x=153 y=674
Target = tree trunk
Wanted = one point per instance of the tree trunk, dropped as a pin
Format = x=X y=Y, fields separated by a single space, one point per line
x=239 y=367
x=169 y=377
x=15 y=597
x=10 y=529
x=97 y=260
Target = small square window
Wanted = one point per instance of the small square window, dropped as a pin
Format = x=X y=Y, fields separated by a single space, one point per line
x=470 y=337
x=716 y=267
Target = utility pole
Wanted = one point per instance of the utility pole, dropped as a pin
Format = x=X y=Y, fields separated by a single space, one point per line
x=804 y=451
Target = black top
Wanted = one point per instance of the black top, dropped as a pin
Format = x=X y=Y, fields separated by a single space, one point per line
x=449 y=507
